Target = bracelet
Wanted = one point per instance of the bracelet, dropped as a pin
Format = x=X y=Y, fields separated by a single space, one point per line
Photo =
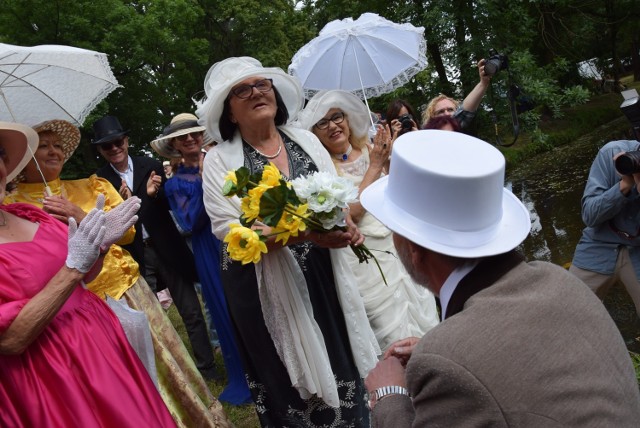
x=390 y=390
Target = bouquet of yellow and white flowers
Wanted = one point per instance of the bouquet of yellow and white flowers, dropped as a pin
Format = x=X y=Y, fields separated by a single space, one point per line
x=317 y=202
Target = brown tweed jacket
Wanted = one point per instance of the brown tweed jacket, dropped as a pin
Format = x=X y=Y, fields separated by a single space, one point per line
x=525 y=345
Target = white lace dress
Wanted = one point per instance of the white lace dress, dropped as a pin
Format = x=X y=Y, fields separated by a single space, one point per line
x=402 y=308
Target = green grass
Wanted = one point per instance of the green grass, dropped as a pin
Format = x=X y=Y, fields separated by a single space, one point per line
x=241 y=416
x=636 y=364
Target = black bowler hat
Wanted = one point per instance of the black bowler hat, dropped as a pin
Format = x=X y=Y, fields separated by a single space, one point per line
x=107 y=129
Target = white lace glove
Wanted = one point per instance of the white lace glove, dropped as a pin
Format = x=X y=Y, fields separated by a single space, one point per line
x=85 y=239
x=119 y=220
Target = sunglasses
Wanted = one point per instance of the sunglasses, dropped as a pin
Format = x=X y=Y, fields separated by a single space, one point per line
x=194 y=135
x=108 y=146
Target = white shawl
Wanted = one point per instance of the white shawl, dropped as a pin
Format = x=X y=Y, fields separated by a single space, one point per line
x=282 y=288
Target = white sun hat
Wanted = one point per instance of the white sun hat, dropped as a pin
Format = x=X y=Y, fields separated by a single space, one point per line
x=225 y=74
x=323 y=101
x=18 y=142
x=445 y=192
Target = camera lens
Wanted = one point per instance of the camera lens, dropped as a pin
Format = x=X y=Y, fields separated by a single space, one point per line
x=491 y=66
x=628 y=163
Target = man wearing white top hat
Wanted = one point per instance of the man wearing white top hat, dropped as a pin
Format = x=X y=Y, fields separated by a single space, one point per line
x=520 y=344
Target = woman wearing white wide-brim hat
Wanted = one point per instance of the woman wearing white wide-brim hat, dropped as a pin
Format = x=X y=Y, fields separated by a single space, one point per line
x=301 y=324
x=401 y=308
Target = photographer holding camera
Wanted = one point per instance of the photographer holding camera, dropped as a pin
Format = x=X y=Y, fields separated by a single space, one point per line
x=464 y=113
x=400 y=117
x=609 y=249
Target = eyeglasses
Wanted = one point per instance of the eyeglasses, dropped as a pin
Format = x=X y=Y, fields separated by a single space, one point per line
x=245 y=91
x=442 y=111
x=335 y=118
x=194 y=135
x=108 y=146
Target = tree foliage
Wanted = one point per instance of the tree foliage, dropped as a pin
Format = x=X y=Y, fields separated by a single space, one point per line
x=160 y=50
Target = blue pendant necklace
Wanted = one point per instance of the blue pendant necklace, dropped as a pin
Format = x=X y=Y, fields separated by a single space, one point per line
x=344 y=156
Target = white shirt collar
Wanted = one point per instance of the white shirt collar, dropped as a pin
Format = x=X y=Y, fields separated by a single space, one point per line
x=127 y=175
x=452 y=282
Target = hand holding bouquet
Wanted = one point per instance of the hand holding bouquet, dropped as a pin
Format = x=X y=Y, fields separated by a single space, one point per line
x=317 y=202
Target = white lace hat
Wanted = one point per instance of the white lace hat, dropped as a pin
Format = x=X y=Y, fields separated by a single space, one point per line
x=445 y=192
x=223 y=75
x=18 y=142
x=323 y=101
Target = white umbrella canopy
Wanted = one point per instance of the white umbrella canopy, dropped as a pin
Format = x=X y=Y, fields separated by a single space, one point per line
x=52 y=82
x=370 y=56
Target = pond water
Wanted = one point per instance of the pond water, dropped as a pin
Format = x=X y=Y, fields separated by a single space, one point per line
x=551 y=186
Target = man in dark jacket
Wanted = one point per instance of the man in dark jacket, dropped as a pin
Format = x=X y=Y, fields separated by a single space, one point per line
x=160 y=250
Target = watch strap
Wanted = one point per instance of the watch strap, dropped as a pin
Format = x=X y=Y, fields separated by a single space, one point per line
x=391 y=390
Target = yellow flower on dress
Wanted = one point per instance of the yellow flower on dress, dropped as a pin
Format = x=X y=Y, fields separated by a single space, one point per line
x=291 y=222
x=244 y=244
x=270 y=176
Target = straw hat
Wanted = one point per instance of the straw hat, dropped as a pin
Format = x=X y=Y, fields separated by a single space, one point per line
x=323 y=101
x=445 y=193
x=182 y=124
x=68 y=133
x=223 y=75
x=18 y=142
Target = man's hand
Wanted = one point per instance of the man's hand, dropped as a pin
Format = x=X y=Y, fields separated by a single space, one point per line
x=153 y=184
x=124 y=190
x=387 y=372
x=402 y=349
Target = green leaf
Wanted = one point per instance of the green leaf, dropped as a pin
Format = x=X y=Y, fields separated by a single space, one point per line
x=272 y=204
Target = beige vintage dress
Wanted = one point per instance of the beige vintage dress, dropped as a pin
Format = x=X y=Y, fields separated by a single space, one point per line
x=402 y=308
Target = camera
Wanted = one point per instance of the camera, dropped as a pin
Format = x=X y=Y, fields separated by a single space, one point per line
x=495 y=63
x=407 y=121
x=628 y=163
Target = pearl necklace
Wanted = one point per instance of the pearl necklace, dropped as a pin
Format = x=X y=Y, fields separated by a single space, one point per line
x=344 y=156
x=265 y=155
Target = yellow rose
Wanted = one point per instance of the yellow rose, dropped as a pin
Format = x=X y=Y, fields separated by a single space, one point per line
x=231 y=176
x=270 y=176
x=244 y=244
x=251 y=203
x=291 y=223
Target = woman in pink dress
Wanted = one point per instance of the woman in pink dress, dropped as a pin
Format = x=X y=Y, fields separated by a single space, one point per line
x=64 y=358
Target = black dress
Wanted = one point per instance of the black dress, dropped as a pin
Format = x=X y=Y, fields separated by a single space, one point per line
x=278 y=404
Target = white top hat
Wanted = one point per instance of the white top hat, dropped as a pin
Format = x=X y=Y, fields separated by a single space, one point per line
x=323 y=101
x=225 y=74
x=445 y=193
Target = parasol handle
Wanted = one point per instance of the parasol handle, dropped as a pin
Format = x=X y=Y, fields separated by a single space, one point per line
x=47 y=189
x=373 y=125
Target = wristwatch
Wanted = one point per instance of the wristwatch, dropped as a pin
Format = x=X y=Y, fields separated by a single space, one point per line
x=385 y=391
